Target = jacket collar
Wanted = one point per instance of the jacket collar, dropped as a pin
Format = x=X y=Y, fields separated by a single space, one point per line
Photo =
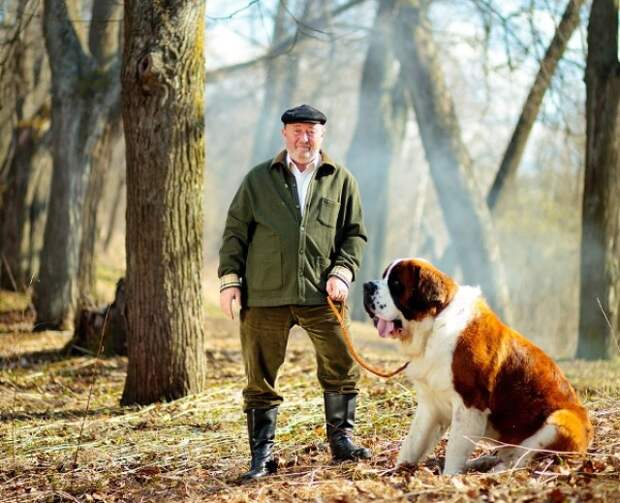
x=326 y=164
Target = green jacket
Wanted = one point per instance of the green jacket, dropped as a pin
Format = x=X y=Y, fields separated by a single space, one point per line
x=280 y=258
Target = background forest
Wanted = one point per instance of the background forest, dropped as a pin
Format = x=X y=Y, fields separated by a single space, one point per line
x=485 y=138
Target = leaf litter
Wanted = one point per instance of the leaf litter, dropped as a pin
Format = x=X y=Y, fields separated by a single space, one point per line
x=194 y=448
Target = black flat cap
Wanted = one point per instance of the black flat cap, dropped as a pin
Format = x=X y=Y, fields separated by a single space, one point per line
x=303 y=113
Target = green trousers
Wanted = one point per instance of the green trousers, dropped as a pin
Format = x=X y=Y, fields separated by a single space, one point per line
x=264 y=336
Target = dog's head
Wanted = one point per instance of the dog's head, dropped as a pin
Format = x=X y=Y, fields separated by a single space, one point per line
x=410 y=290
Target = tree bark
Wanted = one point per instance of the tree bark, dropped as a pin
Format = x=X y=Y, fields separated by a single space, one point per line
x=163 y=113
x=114 y=214
x=87 y=284
x=600 y=240
x=465 y=212
x=518 y=141
x=82 y=93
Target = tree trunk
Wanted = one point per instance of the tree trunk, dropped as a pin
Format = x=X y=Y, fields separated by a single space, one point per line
x=82 y=93
x=163 y=113
x=372 y=147
x=103 y=40
x=87 y=285
x=275 y=70
x=465 y=212
x=102 y=331
x=114 y=214
x=514 y=152
x=15 y=208
x=25 y=71
x=600 y=239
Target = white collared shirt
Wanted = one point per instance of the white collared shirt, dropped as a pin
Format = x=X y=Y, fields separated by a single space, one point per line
x=303 y=178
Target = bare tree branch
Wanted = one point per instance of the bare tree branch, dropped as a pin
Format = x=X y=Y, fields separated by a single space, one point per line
x=282 y=48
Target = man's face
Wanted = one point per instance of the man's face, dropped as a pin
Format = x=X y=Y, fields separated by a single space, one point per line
x=303 y=140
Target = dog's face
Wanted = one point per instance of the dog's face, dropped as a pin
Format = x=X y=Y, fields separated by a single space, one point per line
x=410 y=290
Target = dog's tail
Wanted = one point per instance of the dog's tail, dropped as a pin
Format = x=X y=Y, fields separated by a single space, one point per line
x=574 y=430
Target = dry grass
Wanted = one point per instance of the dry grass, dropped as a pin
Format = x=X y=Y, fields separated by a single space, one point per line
x=193 y=449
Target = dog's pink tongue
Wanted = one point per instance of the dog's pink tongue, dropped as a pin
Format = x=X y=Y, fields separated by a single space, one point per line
x=385 y=327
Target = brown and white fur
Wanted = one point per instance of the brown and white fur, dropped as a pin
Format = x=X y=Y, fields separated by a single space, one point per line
x=472 y=373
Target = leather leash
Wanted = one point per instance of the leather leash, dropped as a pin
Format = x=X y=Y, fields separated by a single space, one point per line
x=353 y=352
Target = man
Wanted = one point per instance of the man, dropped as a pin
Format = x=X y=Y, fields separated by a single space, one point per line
x=294 y=234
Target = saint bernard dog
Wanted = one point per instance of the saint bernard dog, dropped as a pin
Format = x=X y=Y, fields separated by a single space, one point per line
x=472 y=373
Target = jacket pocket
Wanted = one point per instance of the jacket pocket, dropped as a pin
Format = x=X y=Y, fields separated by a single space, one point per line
x=264 y=263
x=328 y=212
x=264 y=271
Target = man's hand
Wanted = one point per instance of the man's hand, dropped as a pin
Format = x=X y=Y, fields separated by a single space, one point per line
x=336 y=289
x=227 y=296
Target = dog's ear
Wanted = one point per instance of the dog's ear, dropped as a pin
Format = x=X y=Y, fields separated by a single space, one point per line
x=432 y=287
x=429 y=293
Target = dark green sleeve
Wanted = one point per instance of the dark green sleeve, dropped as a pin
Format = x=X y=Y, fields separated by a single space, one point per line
x=237 y=232
x=352 y=236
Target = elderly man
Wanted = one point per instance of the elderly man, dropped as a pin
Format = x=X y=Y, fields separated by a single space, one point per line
x=294 y=234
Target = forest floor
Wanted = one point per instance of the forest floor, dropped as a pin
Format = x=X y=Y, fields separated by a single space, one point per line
x=55 y=445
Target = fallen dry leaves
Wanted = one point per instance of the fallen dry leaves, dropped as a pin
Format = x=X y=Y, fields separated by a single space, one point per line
x=193 y=449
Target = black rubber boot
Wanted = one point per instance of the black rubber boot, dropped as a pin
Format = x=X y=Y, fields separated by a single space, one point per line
x=340 y=418
x=261 y=432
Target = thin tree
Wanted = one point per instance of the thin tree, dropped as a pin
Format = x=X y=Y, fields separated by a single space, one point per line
x=599 y=322
x=378 y=131
x=518 y=141
x=25 y=73
x=465 y=212
x=275 y=69
x=163 y=80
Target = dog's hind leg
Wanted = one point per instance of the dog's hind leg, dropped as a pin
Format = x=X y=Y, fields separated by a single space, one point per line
x=468 y=426
x=424 y=433
x=564 y=430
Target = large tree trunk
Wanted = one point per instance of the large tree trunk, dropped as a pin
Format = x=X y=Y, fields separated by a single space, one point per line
x=104 y=46
x=599 y=312
x=518 y=141
x=163 y=114
x=374 y=141
x=465 y=212
x=78 y=118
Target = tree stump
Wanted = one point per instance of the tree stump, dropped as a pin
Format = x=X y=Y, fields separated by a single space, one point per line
x=92 y=323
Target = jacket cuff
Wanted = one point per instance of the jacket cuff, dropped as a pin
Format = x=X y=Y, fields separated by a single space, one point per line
x=229 y=281
x=342 y=273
